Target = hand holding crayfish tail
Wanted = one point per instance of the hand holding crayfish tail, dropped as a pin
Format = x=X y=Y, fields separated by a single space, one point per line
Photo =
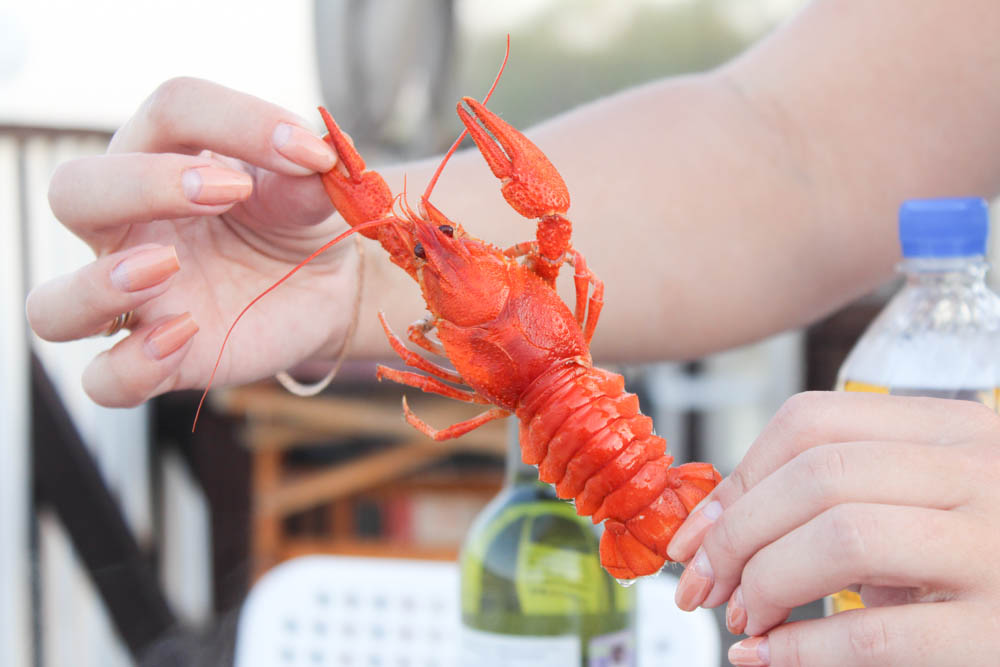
x=205 y=197
x=896 y=495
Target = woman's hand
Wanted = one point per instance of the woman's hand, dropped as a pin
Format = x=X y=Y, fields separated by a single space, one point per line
x=205 y=197
x=899 y=496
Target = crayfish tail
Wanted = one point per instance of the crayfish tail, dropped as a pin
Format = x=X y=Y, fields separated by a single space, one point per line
x=625 y=557
x=637 y=547
x=589 y=439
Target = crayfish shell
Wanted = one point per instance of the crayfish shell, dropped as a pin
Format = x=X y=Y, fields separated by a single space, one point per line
x=588 y=438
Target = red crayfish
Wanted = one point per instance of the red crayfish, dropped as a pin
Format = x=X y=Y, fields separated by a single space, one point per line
x=517 y=347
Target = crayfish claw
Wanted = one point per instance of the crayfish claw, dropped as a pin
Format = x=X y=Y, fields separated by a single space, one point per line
x=531 y=185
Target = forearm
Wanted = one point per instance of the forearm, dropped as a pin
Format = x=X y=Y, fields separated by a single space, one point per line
x=724 y=207
x=670 y=205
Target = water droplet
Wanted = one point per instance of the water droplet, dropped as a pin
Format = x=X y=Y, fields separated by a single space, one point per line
x=625 y=583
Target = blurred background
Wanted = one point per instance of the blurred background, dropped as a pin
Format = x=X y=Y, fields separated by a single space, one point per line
x=121 y=535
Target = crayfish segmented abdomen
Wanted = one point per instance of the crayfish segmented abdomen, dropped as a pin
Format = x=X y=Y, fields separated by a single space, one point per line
x=588 y=438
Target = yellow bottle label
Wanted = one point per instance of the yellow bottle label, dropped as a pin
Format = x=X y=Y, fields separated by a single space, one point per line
x=845 y=599
x=851 y=385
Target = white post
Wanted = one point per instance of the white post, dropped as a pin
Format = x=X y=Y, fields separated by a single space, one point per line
x=15 y=473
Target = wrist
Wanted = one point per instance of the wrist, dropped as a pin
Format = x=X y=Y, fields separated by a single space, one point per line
x=320 y=369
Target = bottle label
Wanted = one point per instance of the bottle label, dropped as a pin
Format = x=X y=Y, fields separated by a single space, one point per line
x=616 y=649
x=552 y=580
x=988 y=396
x=548 y=580
x=489 y=649
x=852 y=385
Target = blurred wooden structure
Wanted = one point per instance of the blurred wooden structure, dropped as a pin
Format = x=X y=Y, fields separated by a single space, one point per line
x=314 y=459
x=75 y=565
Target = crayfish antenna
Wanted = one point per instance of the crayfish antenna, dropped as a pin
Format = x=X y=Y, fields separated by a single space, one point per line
x=405 y=204
x=461 y=136
x=222 y=348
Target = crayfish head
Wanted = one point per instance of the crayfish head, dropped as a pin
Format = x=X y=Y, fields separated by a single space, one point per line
x=463 y=279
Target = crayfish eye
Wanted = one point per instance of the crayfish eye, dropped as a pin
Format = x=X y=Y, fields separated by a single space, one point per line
x=418 y=250
x=447 y=230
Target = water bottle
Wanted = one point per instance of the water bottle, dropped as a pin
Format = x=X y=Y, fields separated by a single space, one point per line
x=939 y=335
x=533 y=591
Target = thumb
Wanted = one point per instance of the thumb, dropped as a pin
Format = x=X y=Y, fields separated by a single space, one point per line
x=288 y=201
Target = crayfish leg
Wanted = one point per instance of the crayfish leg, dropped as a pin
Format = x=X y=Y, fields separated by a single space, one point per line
x=583 y=278
x=428 y=384
x=417 y=333
x=415 y=360
x=455 y=430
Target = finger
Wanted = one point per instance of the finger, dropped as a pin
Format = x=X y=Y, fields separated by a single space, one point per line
x=187 y=115
x=81 y=304
x=97 y=193
x=917 y=635
x=880 y=545
x=815 y=418
x=141 y=365
x=291 y=200
x=817 y=480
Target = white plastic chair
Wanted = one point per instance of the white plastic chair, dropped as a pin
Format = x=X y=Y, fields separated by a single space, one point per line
x=333 y=611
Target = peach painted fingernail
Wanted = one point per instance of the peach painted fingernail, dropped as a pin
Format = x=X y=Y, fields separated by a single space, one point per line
x=214 y=185
x=303 y=147
x=169 y=336
x=692 y=530
x=736 y=612
x=751 y=652
x=145 y=268
x=695 y=583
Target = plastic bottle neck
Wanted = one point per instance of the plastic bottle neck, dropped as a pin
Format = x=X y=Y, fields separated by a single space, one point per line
x=941 y=271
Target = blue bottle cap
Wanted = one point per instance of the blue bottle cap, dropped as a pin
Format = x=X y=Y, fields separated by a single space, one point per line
x=947 y=227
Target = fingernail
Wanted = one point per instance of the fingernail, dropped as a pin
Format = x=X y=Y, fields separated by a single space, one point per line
x=736 y=612
x=695 y=583
x=303 y=147
x=214 y=185
x=145 y=268
x=692 y=530
x=750 y=652
x=169 y=336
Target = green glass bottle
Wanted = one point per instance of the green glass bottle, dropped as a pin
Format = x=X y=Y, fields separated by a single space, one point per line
x=532 y=587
